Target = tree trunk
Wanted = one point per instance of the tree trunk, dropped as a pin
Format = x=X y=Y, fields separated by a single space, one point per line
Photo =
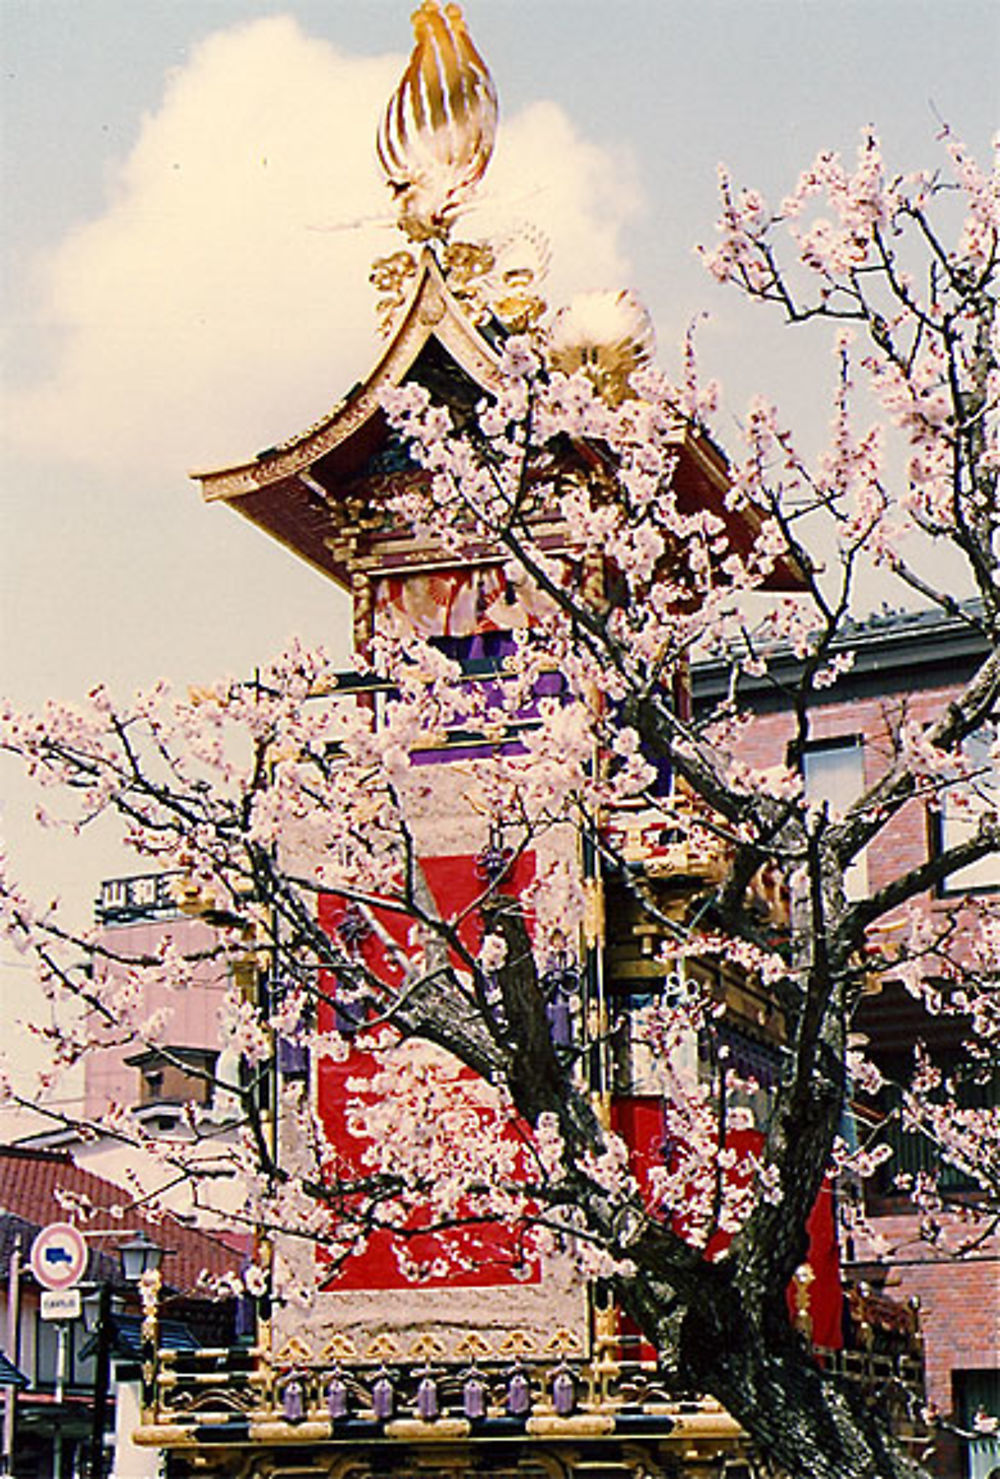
x=816 y=1425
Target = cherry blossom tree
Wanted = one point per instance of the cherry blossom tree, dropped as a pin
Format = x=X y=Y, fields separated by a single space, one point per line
x=268 y=797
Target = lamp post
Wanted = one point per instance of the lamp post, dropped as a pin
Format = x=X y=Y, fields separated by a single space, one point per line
x=138 y=1256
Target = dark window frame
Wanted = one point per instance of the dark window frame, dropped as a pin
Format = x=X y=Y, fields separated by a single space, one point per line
x=952 y=885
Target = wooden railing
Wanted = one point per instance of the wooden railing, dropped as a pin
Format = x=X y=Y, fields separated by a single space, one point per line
x=240 y=1395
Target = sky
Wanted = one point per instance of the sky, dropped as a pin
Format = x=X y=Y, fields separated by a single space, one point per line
x=191 y=207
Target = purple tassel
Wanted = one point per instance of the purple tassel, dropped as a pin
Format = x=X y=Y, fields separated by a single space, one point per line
x=291 y=1401
x=518 y=1395
x=383 y=1398
x=336 y=1397
x=560 y=1021
x=293 y=1058
x=427 y=1399
x=474 y=1398
x=563 y=1393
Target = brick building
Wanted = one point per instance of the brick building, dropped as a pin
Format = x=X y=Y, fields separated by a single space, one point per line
x=906 y=667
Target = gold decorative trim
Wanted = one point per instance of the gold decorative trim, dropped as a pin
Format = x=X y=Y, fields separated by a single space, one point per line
x=437 y=133
x=563 y=1343
x=581 y=1425
x=432 y=311
x=339 y=1347
x=384 y=1348
x=285 y=1432
x=164 y=1435
x=440 y=1430
x=428 y=1347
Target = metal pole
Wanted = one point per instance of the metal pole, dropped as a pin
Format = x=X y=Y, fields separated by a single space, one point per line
x=102 y=1382
x=62 y=1351
x=13 y=1352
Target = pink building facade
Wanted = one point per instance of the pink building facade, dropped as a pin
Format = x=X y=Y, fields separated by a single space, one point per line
x=906 y=668
x=135 y=915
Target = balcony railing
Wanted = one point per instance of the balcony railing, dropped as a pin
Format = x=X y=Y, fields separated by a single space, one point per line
x=238 y=1397
x=242 y=1397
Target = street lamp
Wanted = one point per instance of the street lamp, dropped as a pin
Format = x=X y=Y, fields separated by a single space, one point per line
x=137 y=1257
x=92 y=1303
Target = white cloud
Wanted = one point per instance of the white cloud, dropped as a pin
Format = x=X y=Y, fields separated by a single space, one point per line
x=578 y=193
x=221 y=300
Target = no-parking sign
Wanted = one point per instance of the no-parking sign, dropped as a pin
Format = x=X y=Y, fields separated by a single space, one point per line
x=58 y=1256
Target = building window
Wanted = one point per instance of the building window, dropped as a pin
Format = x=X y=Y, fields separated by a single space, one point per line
x=915 y=1152
x=977 y=1405
x=834 y=771
x=78 y=1370
x=962 y=808
x=177 y=1075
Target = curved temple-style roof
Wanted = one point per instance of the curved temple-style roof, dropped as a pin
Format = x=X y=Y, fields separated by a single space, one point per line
x=286 y=490
x=312 y=492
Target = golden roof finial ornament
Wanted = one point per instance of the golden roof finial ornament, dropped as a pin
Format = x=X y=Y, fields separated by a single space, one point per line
x=436 y=136
x=607 y=335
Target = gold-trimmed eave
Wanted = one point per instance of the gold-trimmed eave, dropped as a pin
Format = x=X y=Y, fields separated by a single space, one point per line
x=286 y=493
x=294 y=491
x=702 y=481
